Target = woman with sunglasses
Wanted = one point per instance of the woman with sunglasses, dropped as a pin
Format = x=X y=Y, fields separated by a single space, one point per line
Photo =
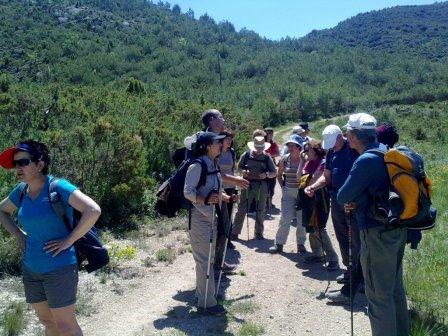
x=50 y=270
x=206 y=196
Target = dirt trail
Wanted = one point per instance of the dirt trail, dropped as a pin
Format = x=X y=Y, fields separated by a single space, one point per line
x=280 y=293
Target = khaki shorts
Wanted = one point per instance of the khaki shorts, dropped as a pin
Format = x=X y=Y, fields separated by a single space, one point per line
x=58 y=287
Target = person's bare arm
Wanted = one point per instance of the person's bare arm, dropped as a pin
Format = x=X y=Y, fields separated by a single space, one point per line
x=6 y=209
x=322 y=181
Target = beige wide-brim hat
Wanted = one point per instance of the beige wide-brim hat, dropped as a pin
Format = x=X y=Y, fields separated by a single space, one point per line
x=258 y=143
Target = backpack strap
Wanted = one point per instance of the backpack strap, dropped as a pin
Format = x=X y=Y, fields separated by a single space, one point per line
x=56 y=203
x=22 y=189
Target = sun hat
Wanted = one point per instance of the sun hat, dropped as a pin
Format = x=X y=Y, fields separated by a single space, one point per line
x=329 y=136
x=7 y=156
x=361 y=121
x=258 y=143
x=295 y=139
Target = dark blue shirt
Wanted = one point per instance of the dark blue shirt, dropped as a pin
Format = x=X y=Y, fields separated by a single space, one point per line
x=339 y=164
x=368 y=178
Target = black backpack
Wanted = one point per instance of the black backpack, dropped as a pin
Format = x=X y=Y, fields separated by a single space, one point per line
x=89 y=246
x=170 y=195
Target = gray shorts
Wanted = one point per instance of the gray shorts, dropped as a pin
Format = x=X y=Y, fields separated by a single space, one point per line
x=58 y=287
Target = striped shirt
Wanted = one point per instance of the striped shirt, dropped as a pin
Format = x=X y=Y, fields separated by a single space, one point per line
x=290 y=171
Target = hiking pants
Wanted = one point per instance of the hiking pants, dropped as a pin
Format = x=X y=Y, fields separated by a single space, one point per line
x=382 y=264
x=320 y=242
x=340 y=224
x=289 y=212
x=258 y=191
x=199 y=239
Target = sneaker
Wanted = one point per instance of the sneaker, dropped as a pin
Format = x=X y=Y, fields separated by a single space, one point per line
x=217 y=310
x=332 y=266
x=277 y=248
x=338 y=297
x=312 y=259
x=301 y=249
x=230 y=245
x=344 y=278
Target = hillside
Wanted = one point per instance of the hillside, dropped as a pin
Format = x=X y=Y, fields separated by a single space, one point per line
x=417 y=30
x=101 y=79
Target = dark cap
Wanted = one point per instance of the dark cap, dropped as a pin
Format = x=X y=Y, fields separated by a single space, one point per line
x=269 y=130
x=305 y=126
x=386 y=134
x=206 y=138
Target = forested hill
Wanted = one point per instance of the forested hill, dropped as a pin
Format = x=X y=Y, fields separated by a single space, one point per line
x=113 y=86
x=419 y=30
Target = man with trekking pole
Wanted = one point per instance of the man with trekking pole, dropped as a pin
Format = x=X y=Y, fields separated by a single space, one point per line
x=382 y=247
x=338 y=163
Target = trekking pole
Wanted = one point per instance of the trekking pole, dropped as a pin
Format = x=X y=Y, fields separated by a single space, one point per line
x=247 y=211
x=350 y=266
x=225 y=248
x=207 y=278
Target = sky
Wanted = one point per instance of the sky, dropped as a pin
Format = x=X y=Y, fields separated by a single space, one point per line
x=275 y=19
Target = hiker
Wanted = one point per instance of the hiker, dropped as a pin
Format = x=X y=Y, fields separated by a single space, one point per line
x=382 y=247
x=296 y=130
x=338 y=162
x=49 y=264
x=287 y=178
x=273 y=151
x=315 y=209
x=306 y=131
x=214 y=122
x=206 y=200
x=256 y=166
x=226 y=163
x=386 y=134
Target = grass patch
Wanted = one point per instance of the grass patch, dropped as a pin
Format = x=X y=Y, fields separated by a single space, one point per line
x=250 y=329
x=166 y=255
x=426 y=326
x=243 y=307
x=242 y=272
x=13 y=318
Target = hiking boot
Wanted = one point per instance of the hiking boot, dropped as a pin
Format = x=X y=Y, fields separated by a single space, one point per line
x=312 y=259
x=234 y=237
x=277 y=248
x=301 y=249
x=259 y=236
x=229 y=268
x=344 y=278
x=230 y=245
x=217 y=310
x=338 y=297
x=332 y=266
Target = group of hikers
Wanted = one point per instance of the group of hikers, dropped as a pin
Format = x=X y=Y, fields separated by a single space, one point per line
x=341 y=173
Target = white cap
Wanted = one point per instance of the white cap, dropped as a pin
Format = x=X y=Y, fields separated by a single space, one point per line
x=329 y=135
x=189 y=141
x=361 y=121
x=297 y=130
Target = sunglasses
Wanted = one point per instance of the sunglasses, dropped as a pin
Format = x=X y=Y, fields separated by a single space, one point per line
x=21 y=162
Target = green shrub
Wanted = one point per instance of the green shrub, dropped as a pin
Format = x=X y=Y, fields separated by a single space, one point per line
x=250 y=329
x=166 y=255
x=14 y=318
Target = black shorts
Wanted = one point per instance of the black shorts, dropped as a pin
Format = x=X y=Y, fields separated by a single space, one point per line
x=58 y=287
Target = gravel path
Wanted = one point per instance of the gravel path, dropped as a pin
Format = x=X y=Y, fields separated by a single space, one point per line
x=276 y=292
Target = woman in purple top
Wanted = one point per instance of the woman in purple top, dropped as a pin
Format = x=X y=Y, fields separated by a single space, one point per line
x=50 y=273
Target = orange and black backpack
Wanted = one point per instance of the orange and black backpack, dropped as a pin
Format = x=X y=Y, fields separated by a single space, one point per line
x=409 y=200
